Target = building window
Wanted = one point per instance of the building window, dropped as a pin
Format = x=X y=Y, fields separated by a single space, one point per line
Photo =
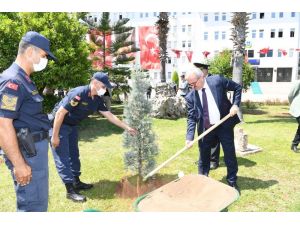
x=183 y=44
x=183 y=59
x=169 y=75
x=279 y=53
x=169 y=61
x=189 y=28
x=273 y=33
x=291 y=52
x=261 y=55
x=254 y=15
x=261 y=33
x=273 y=15
x=189 y=44
x=205 y=18
x=253 y=33
x=175 y=61
x=205 y=36
x=250 y=53
x=292 y=32
x=216 y=35
x=175 y=44
x=174 y=13
x=293 y=14
x=175 y=29
x=270 y=53
x=189 y=12
x=183 y=13
x=264 y=74
x=284 y=74
x=223 y=35
x=183 y=28
x=224 y=16
x=146 y=14
x=154 y=14
x=216 y=16
x=261 y=15
x=280 y=33
x=95 y=19
x=141 y=15
x=280 y=14
x=169 y=44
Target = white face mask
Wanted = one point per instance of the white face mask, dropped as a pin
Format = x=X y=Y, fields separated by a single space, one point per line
x=41 y=65
x=101 y=92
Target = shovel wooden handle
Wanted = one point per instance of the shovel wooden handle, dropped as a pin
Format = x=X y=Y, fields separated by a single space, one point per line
x=185 y=148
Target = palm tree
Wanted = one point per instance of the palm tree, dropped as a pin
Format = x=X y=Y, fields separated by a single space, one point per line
x=239 y=33
x=163 y=29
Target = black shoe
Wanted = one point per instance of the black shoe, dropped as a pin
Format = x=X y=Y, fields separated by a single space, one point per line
x=294 y=148
x=80 y=185
x=214 y=165
x=236 y=187
x=73 y=194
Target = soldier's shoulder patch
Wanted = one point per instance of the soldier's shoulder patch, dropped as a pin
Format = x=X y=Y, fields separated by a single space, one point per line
x=12 y=85
x=9 y=102
x=74 y=102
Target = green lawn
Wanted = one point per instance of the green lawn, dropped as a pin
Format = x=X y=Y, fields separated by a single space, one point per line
x=269 y=180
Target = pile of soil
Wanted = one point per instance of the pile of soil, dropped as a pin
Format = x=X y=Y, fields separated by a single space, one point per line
x=190 y=193
x=133 y=187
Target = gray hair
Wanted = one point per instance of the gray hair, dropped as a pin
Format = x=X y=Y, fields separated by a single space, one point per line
x=194 y=70
x=23 y=45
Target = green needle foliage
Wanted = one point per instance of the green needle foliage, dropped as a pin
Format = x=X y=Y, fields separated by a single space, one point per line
x=140 y=158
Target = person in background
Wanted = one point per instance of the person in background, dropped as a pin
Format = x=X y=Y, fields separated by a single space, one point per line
x=294 y=100
x=149 y=90
x=183 y=88
x=107 y=98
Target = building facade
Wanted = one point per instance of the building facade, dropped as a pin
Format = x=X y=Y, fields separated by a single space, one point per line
x=272 y=46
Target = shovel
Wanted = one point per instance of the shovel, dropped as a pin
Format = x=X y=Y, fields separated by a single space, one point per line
x=185 y=148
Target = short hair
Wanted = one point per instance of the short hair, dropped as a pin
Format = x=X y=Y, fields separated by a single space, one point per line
x=194 y=70
x=23 y=45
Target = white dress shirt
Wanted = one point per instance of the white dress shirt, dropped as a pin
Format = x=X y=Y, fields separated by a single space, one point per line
x=214 y=113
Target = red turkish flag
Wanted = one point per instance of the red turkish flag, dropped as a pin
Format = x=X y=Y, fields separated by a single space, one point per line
x=205 y=53
x=284 y=53
x=149 y=48
x=264 y=51
x=189 y=55
x=177 y=52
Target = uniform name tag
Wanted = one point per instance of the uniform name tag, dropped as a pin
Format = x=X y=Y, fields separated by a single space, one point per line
x=9 y=102
x=84 y=103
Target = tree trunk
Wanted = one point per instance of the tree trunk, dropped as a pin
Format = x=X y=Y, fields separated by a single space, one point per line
x=163 y=72
x=237 y=74
x=104 y=50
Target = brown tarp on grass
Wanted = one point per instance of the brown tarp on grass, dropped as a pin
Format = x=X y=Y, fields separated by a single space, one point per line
x=189 y=194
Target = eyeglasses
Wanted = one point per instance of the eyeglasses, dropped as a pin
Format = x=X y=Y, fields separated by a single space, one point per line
x=193 y=84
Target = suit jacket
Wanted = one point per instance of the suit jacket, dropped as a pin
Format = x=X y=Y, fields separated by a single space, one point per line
x=294 y=100
x=219 y=87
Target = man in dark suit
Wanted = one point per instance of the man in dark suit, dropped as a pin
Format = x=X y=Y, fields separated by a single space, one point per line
x=215 y=151
x=207 y=103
